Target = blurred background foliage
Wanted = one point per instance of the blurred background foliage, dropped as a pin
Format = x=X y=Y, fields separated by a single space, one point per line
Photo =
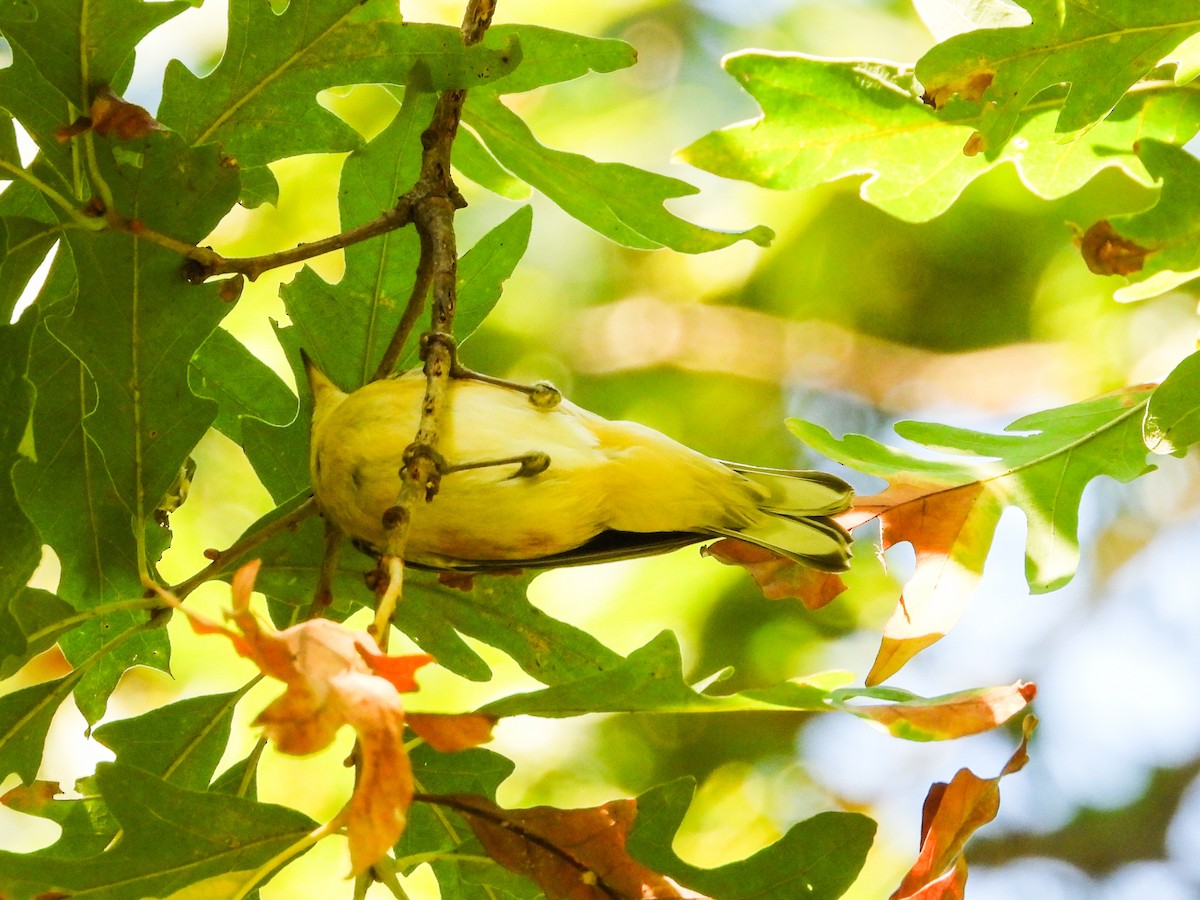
x=852 y=320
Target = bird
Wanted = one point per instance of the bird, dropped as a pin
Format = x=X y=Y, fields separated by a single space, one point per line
x=542 y=483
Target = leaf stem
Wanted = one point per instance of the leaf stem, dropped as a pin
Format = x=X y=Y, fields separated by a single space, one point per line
x=293 y=850
x=103 y=191
x=384 y=872
x=94 y=612
x=91 y=223
x=417 y=859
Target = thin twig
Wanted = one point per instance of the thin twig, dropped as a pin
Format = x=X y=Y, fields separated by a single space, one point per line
x=203 y=263
x=289 y=852
x=330 y=550
x=224 y=559
x=412 y=311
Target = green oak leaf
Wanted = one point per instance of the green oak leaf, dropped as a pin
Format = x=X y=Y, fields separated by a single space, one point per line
x=345 y=327
x=482 y=272
x=824 y=120
x=472 y=160
x=224 y=370
x=260 y=103
x=818 y=858
x=87 y=827
x=1100 y=50
x=168 y=842
x=1172 y=421
x=32 y=621
x=139 y=323
x=19 y=538
x=25 y=716
x=63 y=52
x=621 y=202
x=24 y=244
x=29 y=230
x=241 y=778
x=93 y=540
x=549 y=56
x=650 y=680
x=259 y=186
x=78 y=46
x=429 y=830
x=115 y=419
x=279 y=453
x=1040 y=464
x=1187 y=60
x=181 y=742
x=497 y=612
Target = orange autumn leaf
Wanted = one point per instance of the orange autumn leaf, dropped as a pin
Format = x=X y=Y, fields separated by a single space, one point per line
x=334 y=677
x=779 y=578
x=451 y=733
x=572 y=854
x=952 y=813
x=950 y=530
x=950 y=886
x=950 y=716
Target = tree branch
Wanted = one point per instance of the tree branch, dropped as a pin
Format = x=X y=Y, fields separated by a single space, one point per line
x=203 y=263
x=433 y=216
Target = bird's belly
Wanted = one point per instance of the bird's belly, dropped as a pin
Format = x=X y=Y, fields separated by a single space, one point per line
x=479 y=515
x=519 y=518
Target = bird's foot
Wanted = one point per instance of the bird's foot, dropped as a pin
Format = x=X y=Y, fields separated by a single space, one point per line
x=541 y=394
x=532 y=463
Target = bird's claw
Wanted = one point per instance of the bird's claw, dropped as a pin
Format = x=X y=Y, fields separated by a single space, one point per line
x=541 y=394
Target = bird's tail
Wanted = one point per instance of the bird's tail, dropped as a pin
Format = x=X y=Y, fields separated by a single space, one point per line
x=795 y=518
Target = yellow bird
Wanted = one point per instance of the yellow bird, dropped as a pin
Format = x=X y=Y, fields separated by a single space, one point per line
x=530 y=486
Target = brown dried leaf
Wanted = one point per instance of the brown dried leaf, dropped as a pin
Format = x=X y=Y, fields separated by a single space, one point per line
x=952 y=813
x=975 y=144
x=572 y=854
x=1107 y=253
x=114 y=117
x=779 y=578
